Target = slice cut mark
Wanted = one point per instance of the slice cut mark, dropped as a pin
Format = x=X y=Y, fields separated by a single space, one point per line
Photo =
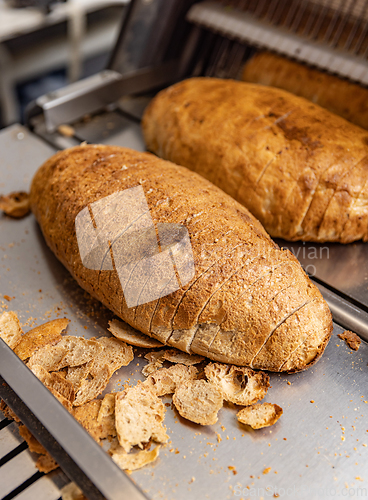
x=222 y=257
x=125 y=332
x=277 y=326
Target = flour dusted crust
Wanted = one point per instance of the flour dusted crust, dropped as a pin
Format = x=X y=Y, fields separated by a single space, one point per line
x=249 y=303
x=300 y=169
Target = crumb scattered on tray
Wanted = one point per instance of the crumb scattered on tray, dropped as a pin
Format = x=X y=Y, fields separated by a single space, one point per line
x=72 y=492
x=66 y=130
x=76 y=371
x=10 y=329
x=15 y=204
x=351 y=339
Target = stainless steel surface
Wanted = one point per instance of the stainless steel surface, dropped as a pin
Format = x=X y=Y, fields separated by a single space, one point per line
x=343 y=267
x=346 y=314
x=233 y=23
x=86 y=454
x=96 y=92
x=147 y=34
x=305 y=449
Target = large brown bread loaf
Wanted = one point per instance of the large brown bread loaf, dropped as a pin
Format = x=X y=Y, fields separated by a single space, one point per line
x=339 y=96
x=249 y=302
x=301 y=170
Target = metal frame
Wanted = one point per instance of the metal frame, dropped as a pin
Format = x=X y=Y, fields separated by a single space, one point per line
x=81 y=458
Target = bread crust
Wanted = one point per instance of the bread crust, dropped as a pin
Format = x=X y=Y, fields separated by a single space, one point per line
x=244 y=288
x=301 y=170
x=339 y=96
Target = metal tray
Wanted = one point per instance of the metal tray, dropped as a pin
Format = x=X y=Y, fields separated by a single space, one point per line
x=319 y=447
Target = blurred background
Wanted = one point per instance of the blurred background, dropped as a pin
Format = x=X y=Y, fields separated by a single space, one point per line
x=46 y=44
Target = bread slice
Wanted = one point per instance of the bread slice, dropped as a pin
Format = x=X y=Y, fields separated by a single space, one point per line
x=79 y=351
x=139 y=414
x=239 y=385
x=10 y=329
x=125 y=332
x=166 y=380
x=49 y=357
x=115 y=354
x=245 y=291
x=198 y=401
x=76 y=374
x=300 y=169
x=46 y=334
x=260 y=415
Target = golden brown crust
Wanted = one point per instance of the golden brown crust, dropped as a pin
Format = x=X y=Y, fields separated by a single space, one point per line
x=342 y=97
x=301 y=170
x=244 y=289
x=351 y=339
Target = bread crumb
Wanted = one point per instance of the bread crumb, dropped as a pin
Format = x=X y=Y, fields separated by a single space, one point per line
x=72 y=492
x=66 y=130
x=351 y=339
x=267 y=470
x=15 y=204
x=133 y=461
x=10 y=329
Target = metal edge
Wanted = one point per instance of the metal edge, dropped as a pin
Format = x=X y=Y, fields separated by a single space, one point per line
x=71 y=445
